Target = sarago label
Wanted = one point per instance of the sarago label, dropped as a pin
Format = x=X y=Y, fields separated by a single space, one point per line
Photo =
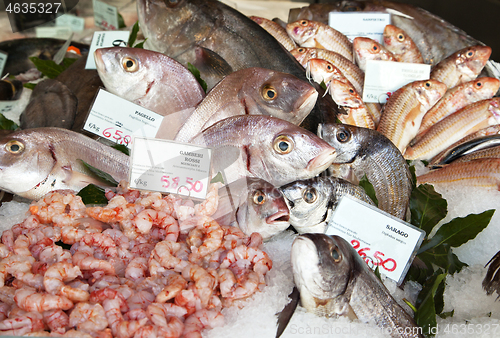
x=380 y=239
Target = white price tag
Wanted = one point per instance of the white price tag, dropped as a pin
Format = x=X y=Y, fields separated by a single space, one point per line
x=117 y=119
x=105 y=16
x=58 y=32
x=75 y=23
x=168 y=166
x=380 y=238
x=104 y=39
x=7 y=106
x=3 y=62
x=382 y=78
x=366 y=24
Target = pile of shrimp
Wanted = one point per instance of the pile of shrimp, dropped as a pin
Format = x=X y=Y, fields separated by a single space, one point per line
x=144 y=265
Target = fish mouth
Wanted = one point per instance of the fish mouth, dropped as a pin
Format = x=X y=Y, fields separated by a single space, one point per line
x=309 y=101
x=280 y=216
x=99 y=62
x=323 y=160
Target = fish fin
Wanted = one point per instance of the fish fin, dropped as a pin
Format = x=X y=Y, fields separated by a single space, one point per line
x=75 y=178
x=286 y=314
x=209 y=62
x=172 y=123
x=350 y=313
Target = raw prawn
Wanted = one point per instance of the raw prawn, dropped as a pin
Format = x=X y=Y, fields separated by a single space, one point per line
x=162 y=314
x=29 y=300
x=137 y=268
x=56 y=320
x=209 y=206
x=88 y=317
x=21 y=324
x=84 y=258
x=57 y=274
x=237 y=289
x=242 y=258
x=163 y=253
x=174 y=284
x=203 y=281
x=208 y=235
x=145 y=220
x=200 y=320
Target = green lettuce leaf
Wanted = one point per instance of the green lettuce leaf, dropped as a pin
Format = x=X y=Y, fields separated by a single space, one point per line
x=427 y=207
x=93 y=194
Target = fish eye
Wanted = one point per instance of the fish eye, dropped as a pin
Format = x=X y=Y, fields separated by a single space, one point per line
x=301 y=50
x=259 y=197
x=428 y=84
x=14 y=147
x=304 y=22
x=269 y=93
x=479 y=84
x=470 y=53
x=129 y=64
x=401 y=37
x=335 y=255
x=351 y=91
x=310 y=195
x=329 y=67
x=283 y=144
x=343 y=135
x=375 y=48
x=172 y=3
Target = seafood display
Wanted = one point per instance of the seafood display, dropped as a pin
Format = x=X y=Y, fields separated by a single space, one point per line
x=281 y=107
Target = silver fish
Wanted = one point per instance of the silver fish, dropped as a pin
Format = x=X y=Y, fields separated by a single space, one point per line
x=36 y=161
x=370 y=153
x=252 y=91
x=149 y=79
x=334 y=281
x=311 y=202
x=255 y=205
x=266 y=147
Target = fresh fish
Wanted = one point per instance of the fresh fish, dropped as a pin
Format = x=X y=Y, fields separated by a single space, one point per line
x=20 y=50
x=404 y=110
x=308 y=33
x=462 y=66
x=370 y=153
x=320 y=70
x=10 y=89
x=255 y=205
x=448 y=155
x=346 y=96
x=265 y=147
x=493 y=151
x=51 y=104
x=368 y=49
x=252 y=91
x=149 y=79
x=334 y=281
x=475 y=173
x=435 y=37
x=36 y=161
x=311 y=202
x=401 y=45
x=456 y=98
x=480 y=147
x=276 y=30
x=467 y=120
x=491 y=282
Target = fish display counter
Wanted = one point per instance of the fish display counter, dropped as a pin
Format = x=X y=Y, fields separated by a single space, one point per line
x=200 y=168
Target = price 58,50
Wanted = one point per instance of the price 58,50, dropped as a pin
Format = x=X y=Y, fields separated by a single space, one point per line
x=174 y=183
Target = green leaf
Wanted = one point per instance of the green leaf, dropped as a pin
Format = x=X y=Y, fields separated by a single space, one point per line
x=101 y=174
x=122 y=148
x=29 y=85
x=427 y=207
x=323 y=85
x=121 y=22
x=133 y=34
x=197 y=75
x=459 y=230
x=370 y=191
x=140 y=44
x=413 y=175
x=218 y=178
x=49 y=68
x=445 y=315
x=6 y=124
x=442 y=256
x=425 y=316
x=93 y=194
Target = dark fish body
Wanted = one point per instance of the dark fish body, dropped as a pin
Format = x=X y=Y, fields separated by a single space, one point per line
x=370 y=153
x=485 y=146
x=334 y=281
x=36 y=161
x=311 y=202
x=10 y=89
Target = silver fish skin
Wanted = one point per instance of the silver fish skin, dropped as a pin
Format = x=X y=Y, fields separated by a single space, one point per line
x=149 y=79
x=36 y=161
x=311 y=202
x=265 y=147
x=334 y=281
x=254 y=205
x=252 y=91
x=370 y=153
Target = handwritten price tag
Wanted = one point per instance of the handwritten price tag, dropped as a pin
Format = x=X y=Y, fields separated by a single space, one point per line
x=168 y=166
x=380 y=239
x=105 y=16
x=75 y=23
x=365 y=24
x=117 y=119
x=382 y=78
x=103 y=40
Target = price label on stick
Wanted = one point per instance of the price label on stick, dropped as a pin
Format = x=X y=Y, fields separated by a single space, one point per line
x=105 y=16
x=105 y=39
x=117 y=119
x=380 y=239
x=168 y=166
x=365 y=24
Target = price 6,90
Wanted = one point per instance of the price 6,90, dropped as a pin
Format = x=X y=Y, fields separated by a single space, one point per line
x=388 y=264
x=174 y=183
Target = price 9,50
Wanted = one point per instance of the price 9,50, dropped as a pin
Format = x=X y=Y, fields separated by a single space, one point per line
x=175 y=183
x=388 y=264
